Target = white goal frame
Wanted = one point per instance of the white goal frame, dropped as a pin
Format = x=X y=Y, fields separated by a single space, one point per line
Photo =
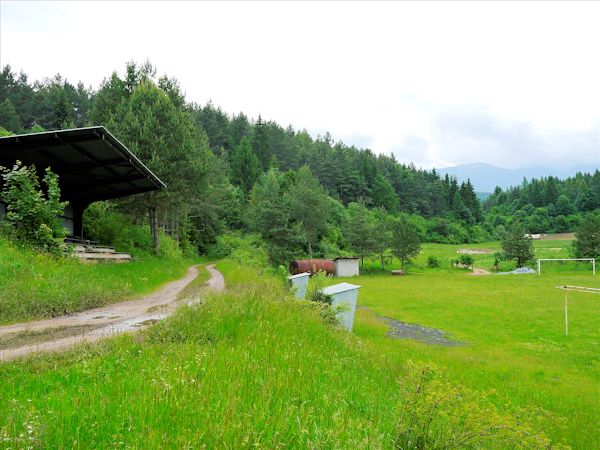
x=589 y=290
x=593 y=260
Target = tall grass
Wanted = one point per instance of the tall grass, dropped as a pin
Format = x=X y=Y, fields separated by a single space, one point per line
x=248 y=368
x=34 y=285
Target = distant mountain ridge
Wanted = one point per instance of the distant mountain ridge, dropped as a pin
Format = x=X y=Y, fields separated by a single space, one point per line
x=486 y=177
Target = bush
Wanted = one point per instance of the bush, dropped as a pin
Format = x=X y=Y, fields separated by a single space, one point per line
x=109 y=227
x=315 y=290
x=246 y=249
x=433 y=262
x=436 y=414
x=32 y=217
x=169 y=247
x=102 y=223
x=466 y=260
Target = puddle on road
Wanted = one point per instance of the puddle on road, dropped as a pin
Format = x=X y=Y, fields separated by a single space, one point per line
x=432 y=336
x=403 y=330
x=147 y=322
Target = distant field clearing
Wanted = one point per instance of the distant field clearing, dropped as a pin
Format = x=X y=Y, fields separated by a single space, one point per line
x=558 y=237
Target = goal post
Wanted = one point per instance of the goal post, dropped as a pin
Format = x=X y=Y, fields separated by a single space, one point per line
x=592 y=260
x=566 y=287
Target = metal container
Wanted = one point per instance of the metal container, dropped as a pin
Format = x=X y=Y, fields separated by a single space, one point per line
x=299 y=284
x=344 y=294
x=312 y=266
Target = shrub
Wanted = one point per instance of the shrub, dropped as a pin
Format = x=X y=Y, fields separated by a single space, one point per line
x=33 y=217
x=109 y=227
x=436 y=414
x=433 y=262
x=246 y=249
x=315 y=290
x=169 y=247
x=466 y=260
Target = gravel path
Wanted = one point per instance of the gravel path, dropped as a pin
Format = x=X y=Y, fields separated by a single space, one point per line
x=479 y=272
x=108 y=320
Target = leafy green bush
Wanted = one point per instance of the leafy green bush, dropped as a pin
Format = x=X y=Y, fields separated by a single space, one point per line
x=244 y=248
x=169 y=247
x=103 y=223
x=466 y=260
x=315 y=290
x=33 y=217
x=433 y=262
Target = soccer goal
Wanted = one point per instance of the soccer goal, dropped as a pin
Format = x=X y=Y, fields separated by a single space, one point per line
x=568 y=288
x=592 y=260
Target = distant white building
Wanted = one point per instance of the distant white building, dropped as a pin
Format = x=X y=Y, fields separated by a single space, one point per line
x=346 y=266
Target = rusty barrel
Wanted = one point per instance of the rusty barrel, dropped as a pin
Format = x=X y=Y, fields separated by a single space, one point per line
x=312 y=266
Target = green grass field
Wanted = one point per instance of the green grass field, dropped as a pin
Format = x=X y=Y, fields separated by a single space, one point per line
x=513 y=327
x=33 y=285
x=254 y=368
x=249 y=368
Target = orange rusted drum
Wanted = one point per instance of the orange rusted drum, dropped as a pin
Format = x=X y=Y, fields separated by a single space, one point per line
x=312 y=266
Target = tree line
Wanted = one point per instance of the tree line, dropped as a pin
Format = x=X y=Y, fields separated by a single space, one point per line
x=545 y=205
x=304 y=195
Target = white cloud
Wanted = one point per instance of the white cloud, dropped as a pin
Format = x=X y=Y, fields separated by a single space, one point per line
x=389 y=74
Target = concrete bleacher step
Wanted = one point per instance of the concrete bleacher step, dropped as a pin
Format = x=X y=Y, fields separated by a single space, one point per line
x=93 y=253
x=93 y=249
x=100 y=256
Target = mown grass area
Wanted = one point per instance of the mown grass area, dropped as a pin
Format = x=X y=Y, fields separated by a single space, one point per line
x=248 y=368
x=513 y=327
x=446 y=253
x=34 y=285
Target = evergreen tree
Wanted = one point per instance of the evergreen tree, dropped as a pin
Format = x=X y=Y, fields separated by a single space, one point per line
x=309 y=206
x=383 y=194
x=268 y=214
x=587 y=238
x=260 y=143
x=166 y=139
x=405 y=241
x=516 y=245
x=358 y=230
x=9 y=119
x=381 y=230
x=245 y=167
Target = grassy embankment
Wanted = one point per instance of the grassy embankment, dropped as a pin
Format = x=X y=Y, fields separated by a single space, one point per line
x=513 y=327
x=248 y=368
x=33 y=285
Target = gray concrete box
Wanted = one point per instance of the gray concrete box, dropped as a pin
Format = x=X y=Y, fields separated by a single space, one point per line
x=299 y=284
x=344 y=294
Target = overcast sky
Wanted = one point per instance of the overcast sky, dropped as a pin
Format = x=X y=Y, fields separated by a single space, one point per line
x=438 y=84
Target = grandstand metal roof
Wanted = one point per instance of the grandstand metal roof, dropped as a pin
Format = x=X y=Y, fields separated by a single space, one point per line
x=91 y=163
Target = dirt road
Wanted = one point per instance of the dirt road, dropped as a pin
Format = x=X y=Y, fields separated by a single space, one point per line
x=477 y=272
x=105 y=321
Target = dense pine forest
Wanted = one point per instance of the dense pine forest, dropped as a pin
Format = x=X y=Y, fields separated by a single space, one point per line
x=298 y=194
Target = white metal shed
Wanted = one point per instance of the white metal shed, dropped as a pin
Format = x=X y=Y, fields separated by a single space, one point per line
x=344 y=294
x=346 y=266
